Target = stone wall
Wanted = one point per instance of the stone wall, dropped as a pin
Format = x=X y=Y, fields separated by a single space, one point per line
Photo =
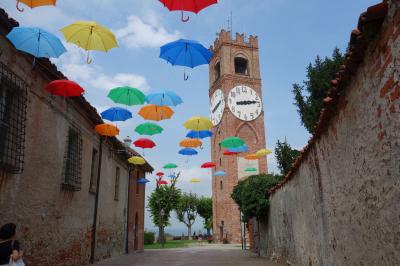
x=340 y=204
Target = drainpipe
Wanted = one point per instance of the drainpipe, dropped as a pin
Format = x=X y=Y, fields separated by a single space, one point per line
x=96 y=204
x=128 y=211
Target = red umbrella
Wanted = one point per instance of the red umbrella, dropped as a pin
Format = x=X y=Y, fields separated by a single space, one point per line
x=208 y=165
x=64 y=88
x=162 y=182
x=230 y=153
x=187 y=5
x=160 y=174
x=144 y=143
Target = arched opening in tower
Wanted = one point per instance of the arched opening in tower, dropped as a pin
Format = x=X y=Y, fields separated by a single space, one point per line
x=241 y=66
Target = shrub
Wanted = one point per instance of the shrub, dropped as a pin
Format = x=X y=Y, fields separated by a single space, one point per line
x=149 y=237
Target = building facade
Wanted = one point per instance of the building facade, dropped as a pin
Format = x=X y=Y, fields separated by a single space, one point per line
x=50 y=158
x=236 y=109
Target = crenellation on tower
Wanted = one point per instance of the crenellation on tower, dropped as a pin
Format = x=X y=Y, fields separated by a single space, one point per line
x=225 y=37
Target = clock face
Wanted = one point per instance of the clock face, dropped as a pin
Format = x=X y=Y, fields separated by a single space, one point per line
x=244 y=103
x=217 y=106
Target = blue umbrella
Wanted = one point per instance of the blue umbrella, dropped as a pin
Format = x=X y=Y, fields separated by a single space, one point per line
x=188 y=151
x=220 y=173
x=36 y=41
x=116 y=114
x=172 y=176
x=186 y=53
x=166 y=98
x=243 y=148
x=142 y=181
x=193 y=134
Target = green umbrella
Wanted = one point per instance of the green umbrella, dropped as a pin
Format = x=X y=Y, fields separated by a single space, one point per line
x=149 y=129
x=170 y=166
x=232 y=142
x=250 y=169
x=126 y=95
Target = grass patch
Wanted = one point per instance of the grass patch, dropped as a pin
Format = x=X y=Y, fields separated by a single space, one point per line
x=174 y=244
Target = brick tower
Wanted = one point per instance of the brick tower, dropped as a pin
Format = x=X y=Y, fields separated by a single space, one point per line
x=236 y=109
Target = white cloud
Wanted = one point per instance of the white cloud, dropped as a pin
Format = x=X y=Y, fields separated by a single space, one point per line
x=140 y=34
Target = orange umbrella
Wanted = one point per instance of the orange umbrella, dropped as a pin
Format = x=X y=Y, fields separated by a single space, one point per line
x=107 y=130
x=252 y=156
x=35 y=3
x=190 y=143
x=155 y=112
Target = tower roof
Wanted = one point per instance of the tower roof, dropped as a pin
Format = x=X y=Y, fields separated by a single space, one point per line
x=225 y=37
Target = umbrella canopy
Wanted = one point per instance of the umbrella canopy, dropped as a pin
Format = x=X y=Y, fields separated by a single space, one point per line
x=162 y=182
x=126 y=95
x=190 y=143
x=172 y=176
x=239 y=149
x=35 y=3
x=155 y=113
x=250 y=169
x=193 y=134
x=137 y=160
x=170 y=166
x=229 y=153
x=36 y=41
x=252 y=156
x=186 y=53
x=107 y=130
x=166 y=98
x=220 y=173
x=194 y=6
x=144 y=143
x=188 y=151
x=198 y=123
x=208 y=165
x=232 y=142
x=142 y=181
x=148 y=129
x=263 y=152
x=160 y=174
x=195 y=180
x=64 y=88
x=116 y=114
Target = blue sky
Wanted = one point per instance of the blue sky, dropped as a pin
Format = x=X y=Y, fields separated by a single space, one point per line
x=291 y=33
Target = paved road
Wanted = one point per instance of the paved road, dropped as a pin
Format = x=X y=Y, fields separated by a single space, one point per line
x=209 y=255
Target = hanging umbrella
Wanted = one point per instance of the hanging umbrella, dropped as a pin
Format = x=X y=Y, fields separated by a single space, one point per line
x=263 y=152
x=193 y=134
x=155 y=113
x=188 y=151
x=220 y=173
x=208 y=165
x=64 y=88
x=142 y=181
x=35 y=3
x=239 y=149
x=190 y=143
x=172 y=176
x=198 y=123
x=107 y=130
x=144 y=143
x=90 y=36
x=232 y=142
x=36 y=41
x=229 y=153
x=116 y=114
x=194 y=6
x=137 y=160
x=126 y=95
x=170 y=166
x=252 y=156
x=195 y=180
x=148 y=129
x=166 y=98
x=250 y=169
x=187 y=53
x=162 y=182
x=160 y=174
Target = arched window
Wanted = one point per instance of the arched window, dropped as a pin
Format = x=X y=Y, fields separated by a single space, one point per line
x=217 y=70
x=220 y=185
x=241 y=67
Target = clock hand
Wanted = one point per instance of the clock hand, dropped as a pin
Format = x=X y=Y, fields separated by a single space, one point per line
x=246 y=102
x=216 y=107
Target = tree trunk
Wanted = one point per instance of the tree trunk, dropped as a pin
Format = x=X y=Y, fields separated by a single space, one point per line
x=190 y=232
x=159 y=234
x=162 y=237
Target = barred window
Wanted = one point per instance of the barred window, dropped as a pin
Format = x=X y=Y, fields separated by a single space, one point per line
x=73 y=161
x=94 y=171
x=116 y=189
x=13 y=103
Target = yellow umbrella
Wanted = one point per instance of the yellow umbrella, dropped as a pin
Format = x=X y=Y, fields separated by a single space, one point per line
x=252 y=156
x=194 y=180
x=90 y=36
x=35 y=3
x=263 y=152
x=136 y=160
x=190 y=143
x=198 y=123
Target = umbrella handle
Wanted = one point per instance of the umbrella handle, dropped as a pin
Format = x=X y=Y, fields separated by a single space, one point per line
x=18 y=8
x=88 y=59
x=183 y=19
x=185 y=76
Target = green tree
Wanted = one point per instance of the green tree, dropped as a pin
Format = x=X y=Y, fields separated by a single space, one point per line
x=204 y=209
x=285 y=156
x=315 y=87
x=162 y=201
x=186 y=210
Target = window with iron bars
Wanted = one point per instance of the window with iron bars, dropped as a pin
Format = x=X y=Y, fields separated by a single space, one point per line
x=73 y=161
x=13 y=104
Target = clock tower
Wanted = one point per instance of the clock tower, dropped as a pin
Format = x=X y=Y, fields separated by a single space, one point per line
x=236 y=109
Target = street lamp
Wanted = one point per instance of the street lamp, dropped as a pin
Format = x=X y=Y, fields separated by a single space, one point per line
x=127 y=142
